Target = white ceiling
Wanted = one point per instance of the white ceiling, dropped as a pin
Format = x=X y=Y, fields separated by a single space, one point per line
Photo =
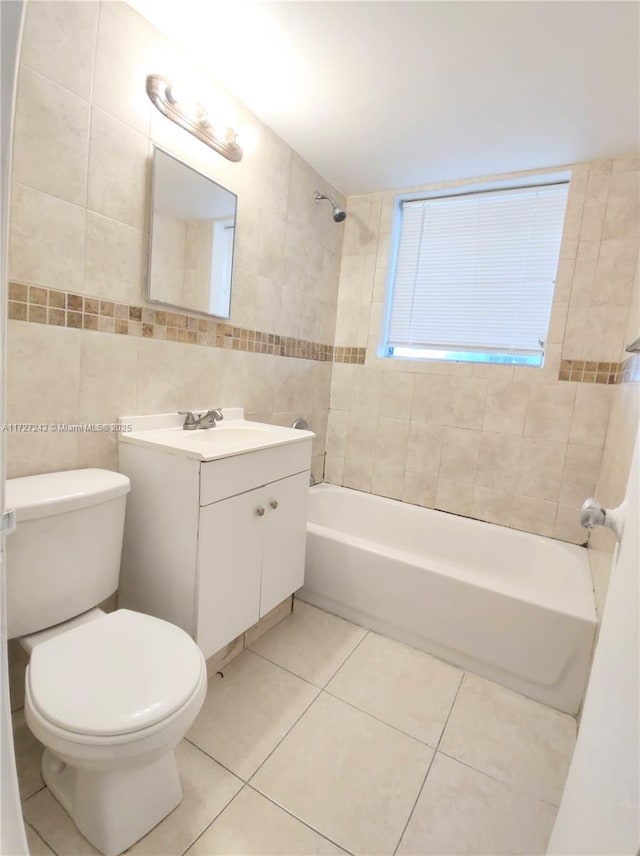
x=382 y=95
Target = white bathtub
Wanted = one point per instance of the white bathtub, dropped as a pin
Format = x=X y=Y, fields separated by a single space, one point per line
x=513 y=607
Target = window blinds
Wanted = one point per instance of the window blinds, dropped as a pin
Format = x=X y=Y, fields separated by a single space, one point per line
x=476 y=272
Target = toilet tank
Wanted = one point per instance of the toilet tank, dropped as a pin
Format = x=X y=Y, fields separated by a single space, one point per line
x=64 y=557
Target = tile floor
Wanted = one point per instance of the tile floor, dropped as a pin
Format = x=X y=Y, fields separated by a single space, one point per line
x=325 y=738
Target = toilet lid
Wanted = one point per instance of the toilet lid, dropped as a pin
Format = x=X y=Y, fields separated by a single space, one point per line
x=115 y=675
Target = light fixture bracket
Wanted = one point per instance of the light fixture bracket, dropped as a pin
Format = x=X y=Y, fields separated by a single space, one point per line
x=158 y=91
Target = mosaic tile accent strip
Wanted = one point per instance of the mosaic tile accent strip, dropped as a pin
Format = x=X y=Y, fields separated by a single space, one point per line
x=64 y=309
x=588 y=371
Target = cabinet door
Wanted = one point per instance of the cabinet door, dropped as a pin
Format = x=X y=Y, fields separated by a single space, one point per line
x=284 y=539
x=230 y=545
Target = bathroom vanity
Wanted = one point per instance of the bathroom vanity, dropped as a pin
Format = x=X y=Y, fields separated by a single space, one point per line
x=216 y=521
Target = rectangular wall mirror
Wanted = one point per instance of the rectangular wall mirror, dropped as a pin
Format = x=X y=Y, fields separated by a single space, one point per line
x=192 y=234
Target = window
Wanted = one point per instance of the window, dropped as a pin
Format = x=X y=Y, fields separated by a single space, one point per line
x=472 y=275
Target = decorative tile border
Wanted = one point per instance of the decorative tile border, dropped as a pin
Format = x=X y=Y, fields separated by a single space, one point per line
x=64 y=309
x=588 y=371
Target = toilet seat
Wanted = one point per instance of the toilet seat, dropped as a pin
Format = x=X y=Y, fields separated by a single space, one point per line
x=120 y=674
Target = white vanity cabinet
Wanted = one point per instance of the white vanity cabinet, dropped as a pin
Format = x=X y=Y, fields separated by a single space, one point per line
x=213 y=545
x=250 y=557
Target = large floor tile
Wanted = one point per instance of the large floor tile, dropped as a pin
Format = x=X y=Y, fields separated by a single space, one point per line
x=253 y=826
x=28 y=752
x=401 y=686
x=310 y=643
x=55 y=827
x=206 y=789
x=517 y=740
x=349 y=776
x=36 y=845
x=248 y=711
x=463 y=811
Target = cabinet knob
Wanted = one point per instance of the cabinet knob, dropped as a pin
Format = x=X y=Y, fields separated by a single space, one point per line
x=260 y=511
x=274 y=503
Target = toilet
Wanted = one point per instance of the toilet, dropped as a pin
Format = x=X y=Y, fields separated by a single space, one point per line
x=110 y=695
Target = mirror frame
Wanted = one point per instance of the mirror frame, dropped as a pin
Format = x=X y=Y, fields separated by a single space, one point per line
x=148 y=296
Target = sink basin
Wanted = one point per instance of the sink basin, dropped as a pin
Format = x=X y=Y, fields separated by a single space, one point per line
x=234 y=435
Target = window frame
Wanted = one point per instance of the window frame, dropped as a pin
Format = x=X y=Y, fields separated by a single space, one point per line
x=458 y=189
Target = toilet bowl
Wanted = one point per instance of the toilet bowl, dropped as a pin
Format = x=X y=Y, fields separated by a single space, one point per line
x=109 y=695
x=110 y=726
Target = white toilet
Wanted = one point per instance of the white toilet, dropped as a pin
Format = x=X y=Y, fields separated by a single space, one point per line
x=109 y=695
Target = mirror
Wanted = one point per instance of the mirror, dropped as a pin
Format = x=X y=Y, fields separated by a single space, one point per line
x=192 y=233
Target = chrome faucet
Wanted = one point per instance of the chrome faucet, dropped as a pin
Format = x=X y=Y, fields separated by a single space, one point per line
x=207 y=420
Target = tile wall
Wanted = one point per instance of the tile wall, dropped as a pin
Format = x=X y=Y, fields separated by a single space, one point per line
x=79 y=237
x=521 y=447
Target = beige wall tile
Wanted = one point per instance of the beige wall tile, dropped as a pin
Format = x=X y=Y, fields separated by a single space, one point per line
x=469 y=397
x=115 y=261
x=605 y=331
x=361 y=437
x=419 y=489
x=541 y=467
x=454 y=497
x=580 y=474
x=594 y=206
x=334 y=469
x=622 y=219
x=550 y=411
x=498 y=461
x=391 y=443
x=357 y=473
x=118 y=168
x=337 y=432
x=59 y=42
x=567 y=526
x=533 y=515
x=432 y=399
x=271 y=247
x=494 y=506
x=47 y=240
x=43 y=104
x=591 y=414
x=124 y=58
x=460 y=450
x=52 y=355
x=366 y=391
x=387 y=481
x=506 y=407
x=614 y=274
x=424 y=448
x=159 y=377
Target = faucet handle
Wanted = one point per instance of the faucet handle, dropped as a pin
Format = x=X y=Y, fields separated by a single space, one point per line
x=190 y=421
x=215 y=413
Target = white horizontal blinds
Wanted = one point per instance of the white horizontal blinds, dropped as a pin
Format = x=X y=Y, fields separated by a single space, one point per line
x=477 y=272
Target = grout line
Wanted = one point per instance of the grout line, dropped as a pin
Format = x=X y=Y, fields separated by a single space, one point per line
x=344 y=663
x=212 y=821
x=517 y=788
x=435 y=752
x=215 y=760
x=299 y=819
x=289 y=730
x=377 y=719
x=284 y=668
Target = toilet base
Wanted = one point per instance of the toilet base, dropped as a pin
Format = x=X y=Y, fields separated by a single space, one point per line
x=114 y=808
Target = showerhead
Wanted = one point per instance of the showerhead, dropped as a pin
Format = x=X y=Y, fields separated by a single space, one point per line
x=338 y=214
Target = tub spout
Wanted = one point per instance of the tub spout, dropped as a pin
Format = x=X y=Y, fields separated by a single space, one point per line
x=594 y=514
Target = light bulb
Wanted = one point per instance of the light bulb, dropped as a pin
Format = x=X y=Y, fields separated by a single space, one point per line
x=247 y=138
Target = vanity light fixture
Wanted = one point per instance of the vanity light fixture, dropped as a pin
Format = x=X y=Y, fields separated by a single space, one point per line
x=193 y=117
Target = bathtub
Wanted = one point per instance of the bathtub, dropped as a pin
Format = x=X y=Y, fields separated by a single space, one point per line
x=513 y=607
